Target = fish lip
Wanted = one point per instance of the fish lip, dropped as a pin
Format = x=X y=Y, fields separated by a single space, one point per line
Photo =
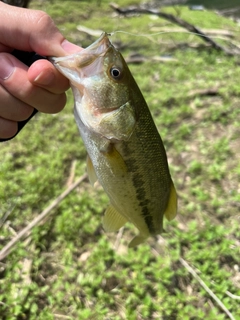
x=87 y=55
x=100 y=45
x=75 y=65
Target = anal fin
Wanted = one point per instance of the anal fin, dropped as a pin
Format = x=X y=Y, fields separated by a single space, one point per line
x=112 y=220
x=171 y=210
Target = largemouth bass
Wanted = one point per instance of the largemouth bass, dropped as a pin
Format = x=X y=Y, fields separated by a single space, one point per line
x=125 y=151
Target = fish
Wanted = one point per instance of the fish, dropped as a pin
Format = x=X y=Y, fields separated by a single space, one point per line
x=126 y=154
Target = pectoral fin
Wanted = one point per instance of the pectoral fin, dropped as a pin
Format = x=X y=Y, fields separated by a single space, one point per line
x=116 y=162
x=112 y=220
x=171 y=210
x=91 y=171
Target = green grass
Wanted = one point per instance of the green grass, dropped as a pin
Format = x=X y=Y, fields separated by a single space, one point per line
x=69 y=268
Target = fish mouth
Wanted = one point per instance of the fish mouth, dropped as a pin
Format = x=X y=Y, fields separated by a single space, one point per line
x=84 y=63
x=86 y=56
x=96 y=50
x=99 y=46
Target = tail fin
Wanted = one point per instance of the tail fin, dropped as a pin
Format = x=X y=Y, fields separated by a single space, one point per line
x=171 y=210
x=136 y=241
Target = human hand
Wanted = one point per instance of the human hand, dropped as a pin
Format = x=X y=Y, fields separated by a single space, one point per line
x=40 y=86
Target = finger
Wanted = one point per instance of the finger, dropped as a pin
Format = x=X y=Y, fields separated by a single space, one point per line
x=12 y=108
x=8 y=128
x=37 y=32
x=43 y=74
x=4 y=48
x=18 y=85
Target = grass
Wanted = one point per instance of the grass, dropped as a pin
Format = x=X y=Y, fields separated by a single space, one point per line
x=68 y=268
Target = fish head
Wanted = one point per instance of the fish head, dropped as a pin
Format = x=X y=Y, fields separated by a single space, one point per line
x=101 y=83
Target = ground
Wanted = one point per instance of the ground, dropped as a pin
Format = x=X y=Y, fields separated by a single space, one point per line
x=69 y=267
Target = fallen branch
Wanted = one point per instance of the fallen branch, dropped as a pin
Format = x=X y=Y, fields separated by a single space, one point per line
x=25 y=232
x=176 y=20
x=209 y=291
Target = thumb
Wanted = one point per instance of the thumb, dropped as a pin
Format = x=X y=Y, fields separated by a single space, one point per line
x=32 y=30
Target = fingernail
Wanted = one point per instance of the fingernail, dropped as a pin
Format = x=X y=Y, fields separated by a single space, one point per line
x=44 y=78
x=70 y=47
x=6 y=68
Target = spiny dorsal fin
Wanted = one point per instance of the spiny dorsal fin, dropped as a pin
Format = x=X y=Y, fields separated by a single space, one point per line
x=112 y=220
x=91 y=171
x=171 y=210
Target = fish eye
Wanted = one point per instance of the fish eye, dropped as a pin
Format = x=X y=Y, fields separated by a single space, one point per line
x=116 y=73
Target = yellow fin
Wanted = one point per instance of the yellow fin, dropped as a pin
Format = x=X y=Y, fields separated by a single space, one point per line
x=136 y=241
x=115 y=159
x=91 y=171
x=112 y=220
x=171 y=210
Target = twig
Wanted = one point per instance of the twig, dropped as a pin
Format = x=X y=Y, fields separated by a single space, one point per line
x=118 y=239
x=137 y=58
x=233 y=296
x=5 y=216
x=8 y=226
x=61 y=316
x=7 y=249
x=91 y=32
x=175 y=20
x=212 y=32
x=26 y=266
x=72 y=173
x=209 y=291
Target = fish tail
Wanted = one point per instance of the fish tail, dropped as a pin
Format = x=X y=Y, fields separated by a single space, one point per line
x=136 y=241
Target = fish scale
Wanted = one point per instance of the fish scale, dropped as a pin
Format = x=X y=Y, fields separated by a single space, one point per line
x=126 y=153
x=152 y=187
